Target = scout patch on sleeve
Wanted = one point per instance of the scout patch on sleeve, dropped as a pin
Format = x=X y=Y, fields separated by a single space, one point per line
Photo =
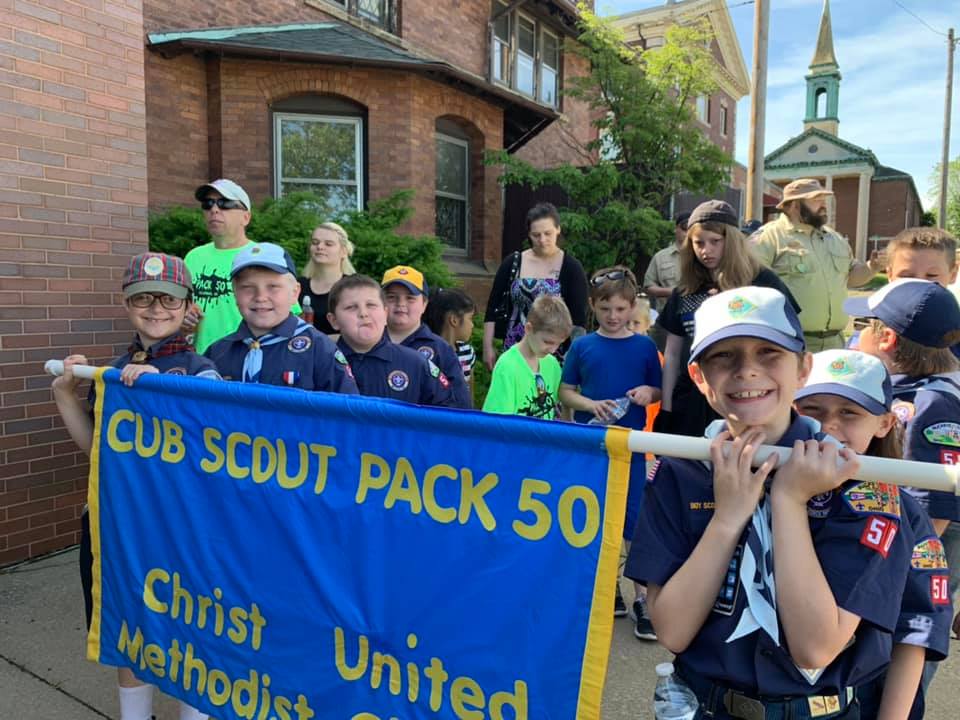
x=904 y=411
x=943 y=433
x=299 y=344
x=869 y=498
x=878 y=534
x=819 y=505
x=928 y=555
x=949 y=457
x=940 y=589
x=434 y=370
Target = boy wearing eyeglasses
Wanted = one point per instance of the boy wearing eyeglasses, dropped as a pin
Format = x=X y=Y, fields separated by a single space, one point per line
x=226 y=211
x=157 y=291
x=608 y=365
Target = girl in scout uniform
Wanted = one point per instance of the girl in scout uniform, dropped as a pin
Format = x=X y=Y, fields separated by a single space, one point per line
x=767 y=586
x=156 y=291
x=850 y=394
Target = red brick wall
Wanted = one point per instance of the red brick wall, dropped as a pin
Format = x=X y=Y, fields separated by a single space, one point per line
x=187 y=14
x=563 y=140
x=73 y=193
x=893 y=207
x=453 y=30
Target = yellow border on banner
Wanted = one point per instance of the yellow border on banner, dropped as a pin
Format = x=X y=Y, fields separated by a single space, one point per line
x=93 y=515
x=593 y=673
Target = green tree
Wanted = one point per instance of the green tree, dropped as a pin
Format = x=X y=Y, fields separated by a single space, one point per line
x=953 y=194
x=648 y=149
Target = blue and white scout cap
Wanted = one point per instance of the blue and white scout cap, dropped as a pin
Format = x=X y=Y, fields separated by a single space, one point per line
x=756 y=312
x=856 y=376
x=919 y=310
x=264 y=255
x=227 y=188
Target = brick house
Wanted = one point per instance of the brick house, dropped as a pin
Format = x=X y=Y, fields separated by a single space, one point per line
x=111 y=108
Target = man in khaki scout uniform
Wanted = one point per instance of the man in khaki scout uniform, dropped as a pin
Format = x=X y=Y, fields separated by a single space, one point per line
x=663 y=275
x=813 y=261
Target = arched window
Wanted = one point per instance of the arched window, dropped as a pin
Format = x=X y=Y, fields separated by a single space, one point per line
x=452 y=197
x=821 y=103
x=319 y=146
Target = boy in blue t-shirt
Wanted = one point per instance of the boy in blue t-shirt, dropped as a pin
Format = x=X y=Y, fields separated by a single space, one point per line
x=614 y=364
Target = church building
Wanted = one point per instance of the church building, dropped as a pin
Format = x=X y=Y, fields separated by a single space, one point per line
x=872 y=202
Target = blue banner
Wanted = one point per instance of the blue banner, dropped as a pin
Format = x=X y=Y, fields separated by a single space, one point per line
x=262 y=552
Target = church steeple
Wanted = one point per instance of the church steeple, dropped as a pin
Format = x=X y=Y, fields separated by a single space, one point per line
x=823 y=82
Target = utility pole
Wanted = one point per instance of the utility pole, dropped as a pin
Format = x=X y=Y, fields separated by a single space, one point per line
x=945 y=157
x=758 y=109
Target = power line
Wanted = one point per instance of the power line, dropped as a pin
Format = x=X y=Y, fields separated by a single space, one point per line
x=917 y=17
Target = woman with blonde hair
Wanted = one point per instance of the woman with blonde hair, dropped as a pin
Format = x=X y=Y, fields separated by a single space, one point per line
x=330 y=251
x=714 y=257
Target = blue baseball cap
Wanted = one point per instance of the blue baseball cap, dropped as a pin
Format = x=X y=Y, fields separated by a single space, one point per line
x=756 y=312
x=264 y=255
x=856 y=376
x=919 y=310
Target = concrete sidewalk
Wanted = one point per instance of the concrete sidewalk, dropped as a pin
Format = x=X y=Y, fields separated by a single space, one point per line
x=43 y=675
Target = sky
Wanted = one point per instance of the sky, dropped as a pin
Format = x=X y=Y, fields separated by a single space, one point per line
x=893 y=69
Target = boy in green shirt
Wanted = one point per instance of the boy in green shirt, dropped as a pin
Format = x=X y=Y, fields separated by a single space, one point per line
x=526 y=378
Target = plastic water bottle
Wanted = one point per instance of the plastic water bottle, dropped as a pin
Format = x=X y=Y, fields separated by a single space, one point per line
x=623 y=404
x=307 y=307
x=672 y=700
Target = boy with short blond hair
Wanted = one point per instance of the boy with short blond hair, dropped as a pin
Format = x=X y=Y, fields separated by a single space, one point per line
x=526 y=378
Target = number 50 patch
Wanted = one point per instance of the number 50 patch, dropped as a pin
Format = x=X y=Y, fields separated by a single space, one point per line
x=940 y=589
x=878 y=534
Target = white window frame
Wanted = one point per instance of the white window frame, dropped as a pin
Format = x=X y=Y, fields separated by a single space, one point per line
x=724 y=120
x=465 y=144
x=703 y=109
x=513 y=51
x=356 y=122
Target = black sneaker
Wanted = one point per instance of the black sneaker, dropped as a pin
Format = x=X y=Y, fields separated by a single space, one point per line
x=619 y=606
x=644 y=628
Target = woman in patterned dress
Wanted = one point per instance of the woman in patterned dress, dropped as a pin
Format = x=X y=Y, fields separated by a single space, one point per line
x=542 y=269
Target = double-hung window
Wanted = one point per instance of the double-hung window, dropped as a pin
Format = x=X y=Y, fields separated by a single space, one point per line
x=525 y=55
x=453 y=191
x=322 y=154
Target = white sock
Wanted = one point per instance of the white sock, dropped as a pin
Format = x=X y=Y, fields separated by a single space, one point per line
x=136 y=703
x=189 y=713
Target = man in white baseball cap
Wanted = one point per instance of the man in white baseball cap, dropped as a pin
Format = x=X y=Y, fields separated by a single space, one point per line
x=226 y=210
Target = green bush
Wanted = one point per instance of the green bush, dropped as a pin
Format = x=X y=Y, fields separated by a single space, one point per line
x=290 y=220
x=876 y=282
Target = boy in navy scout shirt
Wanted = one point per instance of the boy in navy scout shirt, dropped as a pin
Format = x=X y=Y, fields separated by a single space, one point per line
x=382 y=368
x=272 y=345
x=405 y=295
x=778 y=597
x=157 y=293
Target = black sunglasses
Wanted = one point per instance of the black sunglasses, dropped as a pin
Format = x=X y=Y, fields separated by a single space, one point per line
x=222 y=203
x=861 y=323
x=613 y=275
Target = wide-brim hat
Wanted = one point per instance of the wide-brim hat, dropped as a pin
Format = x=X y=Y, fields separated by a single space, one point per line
x=801 y=190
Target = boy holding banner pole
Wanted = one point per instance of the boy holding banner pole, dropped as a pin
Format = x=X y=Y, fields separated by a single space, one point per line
x=760 y=587
x=157 y=292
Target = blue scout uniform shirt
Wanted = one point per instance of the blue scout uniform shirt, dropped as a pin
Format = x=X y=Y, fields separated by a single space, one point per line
x=181 y=362
x=389 y=370
x=926 y=611
x=306 y=359
x=435 y=348
x=863 y=556
x=929 y=409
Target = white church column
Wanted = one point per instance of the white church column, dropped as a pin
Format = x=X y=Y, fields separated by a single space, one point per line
x=831 y=204
x=863 y=215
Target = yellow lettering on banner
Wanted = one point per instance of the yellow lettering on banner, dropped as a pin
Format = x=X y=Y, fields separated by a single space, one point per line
x=340 y=656
x=149 y=596
x=154 y=659
x=381 y=660
x=434 y=509
x=323 y=453
x=213 y=464
x=218 y=687
x=132 y=646
x=404 y=486
x=291 y=482
x=113 y=439
x=471 y=498
x=466 y=693
x=370 y=463
x=542 y=519
x=437 y=677
x=516 y=700
x=570 y=496
x=233 y=469
x=263 y=471
x=173 y=448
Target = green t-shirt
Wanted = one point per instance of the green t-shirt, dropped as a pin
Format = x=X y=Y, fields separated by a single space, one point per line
x=213 y=292
x=516 y=390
